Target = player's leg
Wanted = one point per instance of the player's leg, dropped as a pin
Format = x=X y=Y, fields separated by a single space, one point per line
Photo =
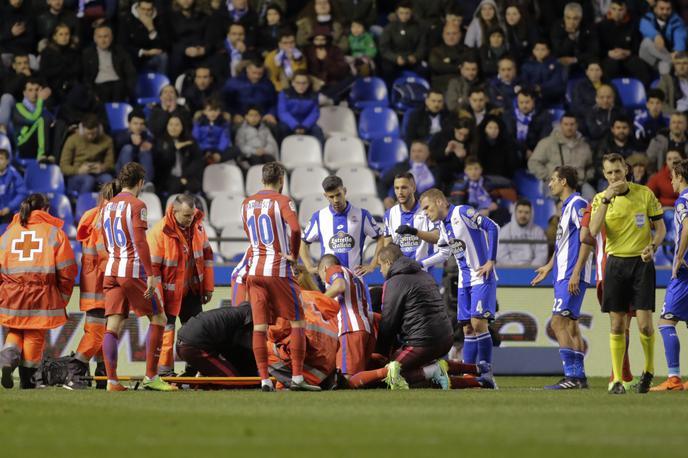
x=565 y=310
x=579 y=351
x=166 y=362
x=32 y=353
x=615 y=301
x=483 y=309
x=190 y=307
x=643 y=303
x=420 y=364
x=469 y=353
x=10 y=355
x=627 y=374
x=352 y=353
x=91 y=343
x=617 y=344
x=672 y=351
x=116 y=311
x=259 y=311
x=209 y=365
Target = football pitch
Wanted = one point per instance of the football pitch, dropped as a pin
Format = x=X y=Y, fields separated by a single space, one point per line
x=518 y=420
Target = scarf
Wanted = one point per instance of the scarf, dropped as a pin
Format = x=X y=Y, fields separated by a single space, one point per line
x=234 y=57
x=478 y=197
x=423 y=176
x=282 y=60
x=234 y=12
x=522 y=124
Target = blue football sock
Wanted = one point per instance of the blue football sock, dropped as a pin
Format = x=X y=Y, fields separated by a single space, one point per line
x=470 y=350
x=672 y=348
x=579 y=366
x=568 y=357
x=484 y=344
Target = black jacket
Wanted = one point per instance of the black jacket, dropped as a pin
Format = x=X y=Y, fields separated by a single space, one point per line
x=420 y=122
x=584 y=46
x=413 y=308
x=539 y=128
x=192 y=164
x=134 y=36
x=120 y=60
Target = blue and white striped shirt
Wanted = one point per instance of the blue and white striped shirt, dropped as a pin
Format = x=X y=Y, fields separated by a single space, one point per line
x=567 y=245
x=411 y=245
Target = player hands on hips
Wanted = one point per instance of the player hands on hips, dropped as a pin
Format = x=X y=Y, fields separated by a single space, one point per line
x=572 y=266
x=472 y=239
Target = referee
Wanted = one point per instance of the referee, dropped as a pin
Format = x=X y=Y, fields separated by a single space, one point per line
x=628 y=213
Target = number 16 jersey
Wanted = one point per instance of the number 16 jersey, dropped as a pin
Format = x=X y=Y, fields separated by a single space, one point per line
x=121 y=216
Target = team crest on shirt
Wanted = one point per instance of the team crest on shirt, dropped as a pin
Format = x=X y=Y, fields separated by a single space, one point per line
x=457 y=247
x=408 y=243
x=560 y=232
x=144 y=215
x=470 y=212
x=581 y=212
x=341 y=242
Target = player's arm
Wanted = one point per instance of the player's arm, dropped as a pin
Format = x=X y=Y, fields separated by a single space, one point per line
x=660 y=232
x=492 y=230
x=141 y=244
x=394 y=296
x=679 y=260
x=336 y=288
x=208 y=271
x=574 y=281
x=440 y=256
x=157 y=251
x=309 y=235
x=431 y=237
x=292 y=220
x=599 y=211
x=372 y=230
x=542 y=272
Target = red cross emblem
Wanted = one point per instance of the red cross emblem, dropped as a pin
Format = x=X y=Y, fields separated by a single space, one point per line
x=27 y=246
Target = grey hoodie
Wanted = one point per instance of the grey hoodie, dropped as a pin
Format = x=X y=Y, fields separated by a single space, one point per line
x=249 y=139
x=556 y=150
x=521 y=254
x=474 y=33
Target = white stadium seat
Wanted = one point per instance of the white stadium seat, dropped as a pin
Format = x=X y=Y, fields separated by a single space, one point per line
x=337 y=120
x=220 y=178
x=300 y=150
x=212 y=233
x=153 y=207
x=358 y=180
x=341 y=150
x=306 y=180
x=225 y=209
x=309 y=205
x=231 y=250
x=371 y=203
x=254 y=181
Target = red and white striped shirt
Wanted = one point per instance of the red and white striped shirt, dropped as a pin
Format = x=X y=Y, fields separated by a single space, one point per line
x=353 y=312
x=124 y=222
x=272 y=226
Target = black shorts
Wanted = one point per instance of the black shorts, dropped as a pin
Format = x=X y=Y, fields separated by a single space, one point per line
x=629 y=285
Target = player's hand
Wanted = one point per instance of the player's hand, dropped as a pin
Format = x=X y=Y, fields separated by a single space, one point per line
x=406 y=229
x=648 y=253
x=291 y=259
x=614 y=189
x=364 y=269
x=574 y=284
x=207 y=296
x=486 y=269
x=541 y=274
x=151 y=284
x=677 y=267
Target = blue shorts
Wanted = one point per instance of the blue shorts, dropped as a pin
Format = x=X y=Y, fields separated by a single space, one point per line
x=565 y=303
x=479 y=301
x=676 y=299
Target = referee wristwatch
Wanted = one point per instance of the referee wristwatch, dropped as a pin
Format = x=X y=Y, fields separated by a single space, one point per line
x=606 y=201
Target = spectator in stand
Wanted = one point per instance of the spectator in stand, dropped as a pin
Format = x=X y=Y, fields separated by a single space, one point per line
x=426 y=121
x=55 y=14
x=638 y=164
x=188 y=26
x=527 y=124
x=619 y=140
x=475 y=189
x=202 y=88
x=585 y=90
x=169 y=106
x=660 y=182
x=298 y=110
x=430 y=15
x=179 y=165
x=32 y=123
x=17 y=29
x=327 y=66
x=212 y=131
x=88 y=157
x=362 y=49
x=251 y=88
x=596 y=122
x=672 y=140
x=108 y=69
x=451 y=16
x=521 y=227
x=564 y=146
x=459 y=86
x=619 y=42
x=12 y=188
x=143 y=33
x=418 y=164
x=664 y=33
x=492 y=51
x=504 y=87
x=446 y=58
x=485 y=19
x=675 y=84
x=318 y=14
x=255 y=140
x=268 y=34
x=544 y=74
x=496 y=150
x=282 y=63
x=225 y=13
x=136 y=145
x=361 y=11
x=449 y=149
x=228 y=61
x=651 y=120
x=261 y=7
x=15 y=79
x=520 y=32
x=478 y=106
x=573 y=43
x=403 y=44
x=61 y=63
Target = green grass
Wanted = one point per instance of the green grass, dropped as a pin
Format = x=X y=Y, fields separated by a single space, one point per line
x=518 y=420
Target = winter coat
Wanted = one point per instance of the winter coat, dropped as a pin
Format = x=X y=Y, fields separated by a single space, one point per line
x=306 y=27
x=192 y=164
x=623 y=35
x=521 y=254
x=671 y=87
x=647 y=127
x=215 y=136
x=584 y=47
x=298 y=110
x=501 y=94
x=21 y=44
x=474 y=34
x=362 y=45
x=556 y=150
x=134 y=36
x=78 y=151
x=498 y=156
x=364 y=11
x=660 y=183
x=249 y=139
x=444 y=64
x=674 y=32
x=540 y=127
x=279 y=78
x=596 y=123
x=457 y=92
x=420 y=122
x=549 y=75
x=12 y=189
x=657 y=150
x=332 y=69
x=158 y=118
x=408 y=39
x=94 y=258
x=240 y=94
x=120 y=60
x=60 y=67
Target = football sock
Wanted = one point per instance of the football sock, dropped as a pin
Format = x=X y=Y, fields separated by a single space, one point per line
x=110 y=355
x=470 y=350
x=367 y=377
x=458 y=368
x=672 y=349
x=617 y=349
x=648 y=344
x=166 y=363
x=579 y=365
x=458 y=383
x=297 y=348
x=260 y=352
x=92 y=340
x=568 y=358
x=484 y=344
x=627 y=375
x=153 y=345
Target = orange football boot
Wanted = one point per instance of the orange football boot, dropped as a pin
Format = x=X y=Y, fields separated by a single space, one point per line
x=670 y=384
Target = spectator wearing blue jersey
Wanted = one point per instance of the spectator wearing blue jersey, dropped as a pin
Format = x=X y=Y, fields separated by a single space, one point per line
x=544 y=74
x=213 y=133
x=251 y=88
x=298 y=110
x=12 y=188
x=342 y=229
x=472 y=239
x=651 y=120
x=135 y=145
x=571 y=264
x=664 y=33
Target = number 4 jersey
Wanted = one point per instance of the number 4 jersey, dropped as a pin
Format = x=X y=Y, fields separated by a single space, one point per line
x=122 y=217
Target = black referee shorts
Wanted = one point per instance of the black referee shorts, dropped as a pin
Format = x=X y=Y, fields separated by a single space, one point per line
x=629 y=284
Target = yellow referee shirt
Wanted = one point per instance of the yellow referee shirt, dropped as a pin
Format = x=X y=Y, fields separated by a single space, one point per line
x=627 y=222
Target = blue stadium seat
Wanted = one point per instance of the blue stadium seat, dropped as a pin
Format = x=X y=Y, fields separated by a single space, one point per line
x=533 y=189
x=368 y=92
x=44 y=178
x=654 y=84
x=117 y=115
x=385 y=152
x=84 y=203
x=405 y=122
x=404 y=99
x=148 y=86
x=3 y=228
x=70 y=230
x=76 y=248
x=378 y=122
x=631 y=92
x=543 y=209
x=556 y=113
x=62 y=208
x=569 y=88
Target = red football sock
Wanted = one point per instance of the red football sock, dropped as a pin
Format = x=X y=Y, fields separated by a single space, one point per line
x=110 y=342
x=458 y=368
x=153 y=345
x=364 y=378
x=627 y=375
x=260 y=352
x=458 y=383
x=297 y=348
